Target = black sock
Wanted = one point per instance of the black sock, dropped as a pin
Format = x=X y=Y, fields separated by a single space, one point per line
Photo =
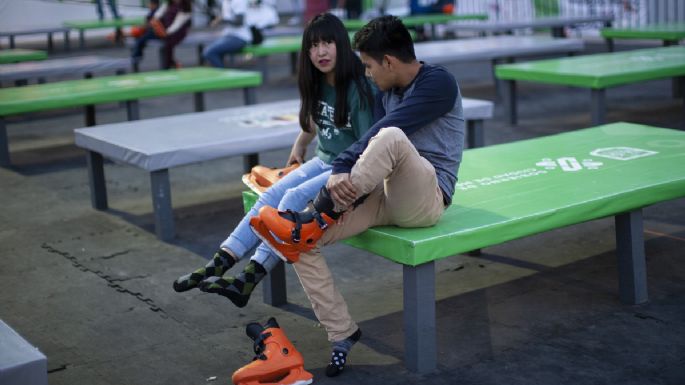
x=339 y=354
x=238 y=288
x=217 y=266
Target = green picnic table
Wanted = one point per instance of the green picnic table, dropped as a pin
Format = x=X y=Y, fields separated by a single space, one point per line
x=417 y=20
x=596 y=72
x=514 y=190
x=82 y=26
x=18 y=55
x=670 y=34
x=126 y=88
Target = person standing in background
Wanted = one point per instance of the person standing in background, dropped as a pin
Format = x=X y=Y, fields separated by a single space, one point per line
x=112 y=7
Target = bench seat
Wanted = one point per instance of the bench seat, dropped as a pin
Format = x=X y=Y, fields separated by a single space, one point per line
x=595 y=72
x=514 y=190
x=669 y=34
x=126 y=88
x=19 y=55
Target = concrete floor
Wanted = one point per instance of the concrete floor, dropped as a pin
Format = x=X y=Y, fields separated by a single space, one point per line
x=92 y=290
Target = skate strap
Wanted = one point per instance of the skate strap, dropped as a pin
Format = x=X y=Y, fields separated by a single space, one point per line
x=259 y=346
x=319 y=220
x=295 y=233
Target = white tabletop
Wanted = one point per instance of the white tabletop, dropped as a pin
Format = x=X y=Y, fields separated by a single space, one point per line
x=161 y=143
x=55 y=67
x=497 y=47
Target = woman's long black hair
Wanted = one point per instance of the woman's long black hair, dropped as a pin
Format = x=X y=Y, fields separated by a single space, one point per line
x=348 y=68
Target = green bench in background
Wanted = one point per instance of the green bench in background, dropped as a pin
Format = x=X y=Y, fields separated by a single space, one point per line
x=596 y=72
x=82 y=26
x=514 y=190
x=123 y=88
x=419 y=20
x=18 y=55
x=670 y=34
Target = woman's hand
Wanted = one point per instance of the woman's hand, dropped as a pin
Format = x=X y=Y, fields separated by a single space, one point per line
x=296 y=154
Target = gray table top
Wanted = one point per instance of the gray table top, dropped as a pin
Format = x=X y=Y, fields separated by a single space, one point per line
x=489 y=48
x=161 y=143
x=56 y=67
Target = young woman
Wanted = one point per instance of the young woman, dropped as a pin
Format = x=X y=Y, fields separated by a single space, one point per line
x=337 y=109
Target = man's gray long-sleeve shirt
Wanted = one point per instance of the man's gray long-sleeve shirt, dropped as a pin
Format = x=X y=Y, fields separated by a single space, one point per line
x=429 y=112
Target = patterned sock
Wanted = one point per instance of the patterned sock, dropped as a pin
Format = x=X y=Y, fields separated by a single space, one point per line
x=220 y=263
x=238 y=288
x=339 y=354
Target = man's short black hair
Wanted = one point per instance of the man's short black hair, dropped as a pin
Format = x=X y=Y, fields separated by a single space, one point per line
x=385 y=35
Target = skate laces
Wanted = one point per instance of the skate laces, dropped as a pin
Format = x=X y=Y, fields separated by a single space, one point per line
x=259 y=346
x=299 y=219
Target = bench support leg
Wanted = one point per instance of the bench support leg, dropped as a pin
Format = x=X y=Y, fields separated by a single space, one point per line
x=598 y=106
x=420 y=350
x=81 y=39
x=474 y=135
x=161 y=204
x=630 y=249
x=274 y=290
x=199 y=98
x=249 y=161
x=250 y=96
x=50 y=42
x=96 y=181
x=510 y=100
x=132 y=110
x=4 y=145
x=67 y=43
x=263 y=65
x=12 y=44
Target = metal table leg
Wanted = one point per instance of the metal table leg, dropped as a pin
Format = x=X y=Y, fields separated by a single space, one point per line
x=132 y=110
x=630 y=250
x=199 y=100
x=250 y=95
x=474 y=136
x=510 y=100
x=274 y=290
x=4 y=144
x=420 y=347
x=161 y=204
x=598 y=106
x=96 y=181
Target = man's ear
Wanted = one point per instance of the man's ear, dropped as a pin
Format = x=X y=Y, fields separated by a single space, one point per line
x=388 y=61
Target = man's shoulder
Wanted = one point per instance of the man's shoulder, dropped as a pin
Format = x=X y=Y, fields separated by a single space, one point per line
x=433 y=72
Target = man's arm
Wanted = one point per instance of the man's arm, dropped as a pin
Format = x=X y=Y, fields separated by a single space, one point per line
x=433 y=96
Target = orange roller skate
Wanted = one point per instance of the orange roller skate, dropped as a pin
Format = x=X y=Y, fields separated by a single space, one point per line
x=261 y=178
x=277 y=362
x=289 y=233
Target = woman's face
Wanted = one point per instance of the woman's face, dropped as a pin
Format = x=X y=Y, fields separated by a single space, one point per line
x=323 y=55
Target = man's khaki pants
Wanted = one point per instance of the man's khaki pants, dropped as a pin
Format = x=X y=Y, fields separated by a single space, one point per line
x=403 y=190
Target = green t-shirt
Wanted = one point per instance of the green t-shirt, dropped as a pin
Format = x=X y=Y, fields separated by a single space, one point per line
x=333 y=140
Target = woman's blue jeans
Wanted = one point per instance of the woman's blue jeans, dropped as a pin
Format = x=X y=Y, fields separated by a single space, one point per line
x=292 y=192
x=228 y=44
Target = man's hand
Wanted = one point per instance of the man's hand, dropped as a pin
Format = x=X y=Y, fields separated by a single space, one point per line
x=341 y=189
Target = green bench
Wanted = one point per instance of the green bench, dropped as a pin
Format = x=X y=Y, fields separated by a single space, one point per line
x=669 y=34
x=510 y=191
x=123 y=88
x=18 y=55
x=596 y=72
x=82 y=26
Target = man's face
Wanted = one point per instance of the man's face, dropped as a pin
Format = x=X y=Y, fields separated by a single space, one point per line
x=378 y=72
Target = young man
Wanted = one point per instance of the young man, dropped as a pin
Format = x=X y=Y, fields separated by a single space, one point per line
x=401 y=172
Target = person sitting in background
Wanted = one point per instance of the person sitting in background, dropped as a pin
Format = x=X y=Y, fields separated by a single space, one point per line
x=246 y=20
x=170 y=23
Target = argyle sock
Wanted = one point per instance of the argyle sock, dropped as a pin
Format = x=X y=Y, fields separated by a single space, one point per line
x=217 y=266
x=238 y=288
x=339 y=354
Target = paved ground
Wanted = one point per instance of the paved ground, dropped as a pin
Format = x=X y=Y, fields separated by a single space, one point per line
x=92 y=290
